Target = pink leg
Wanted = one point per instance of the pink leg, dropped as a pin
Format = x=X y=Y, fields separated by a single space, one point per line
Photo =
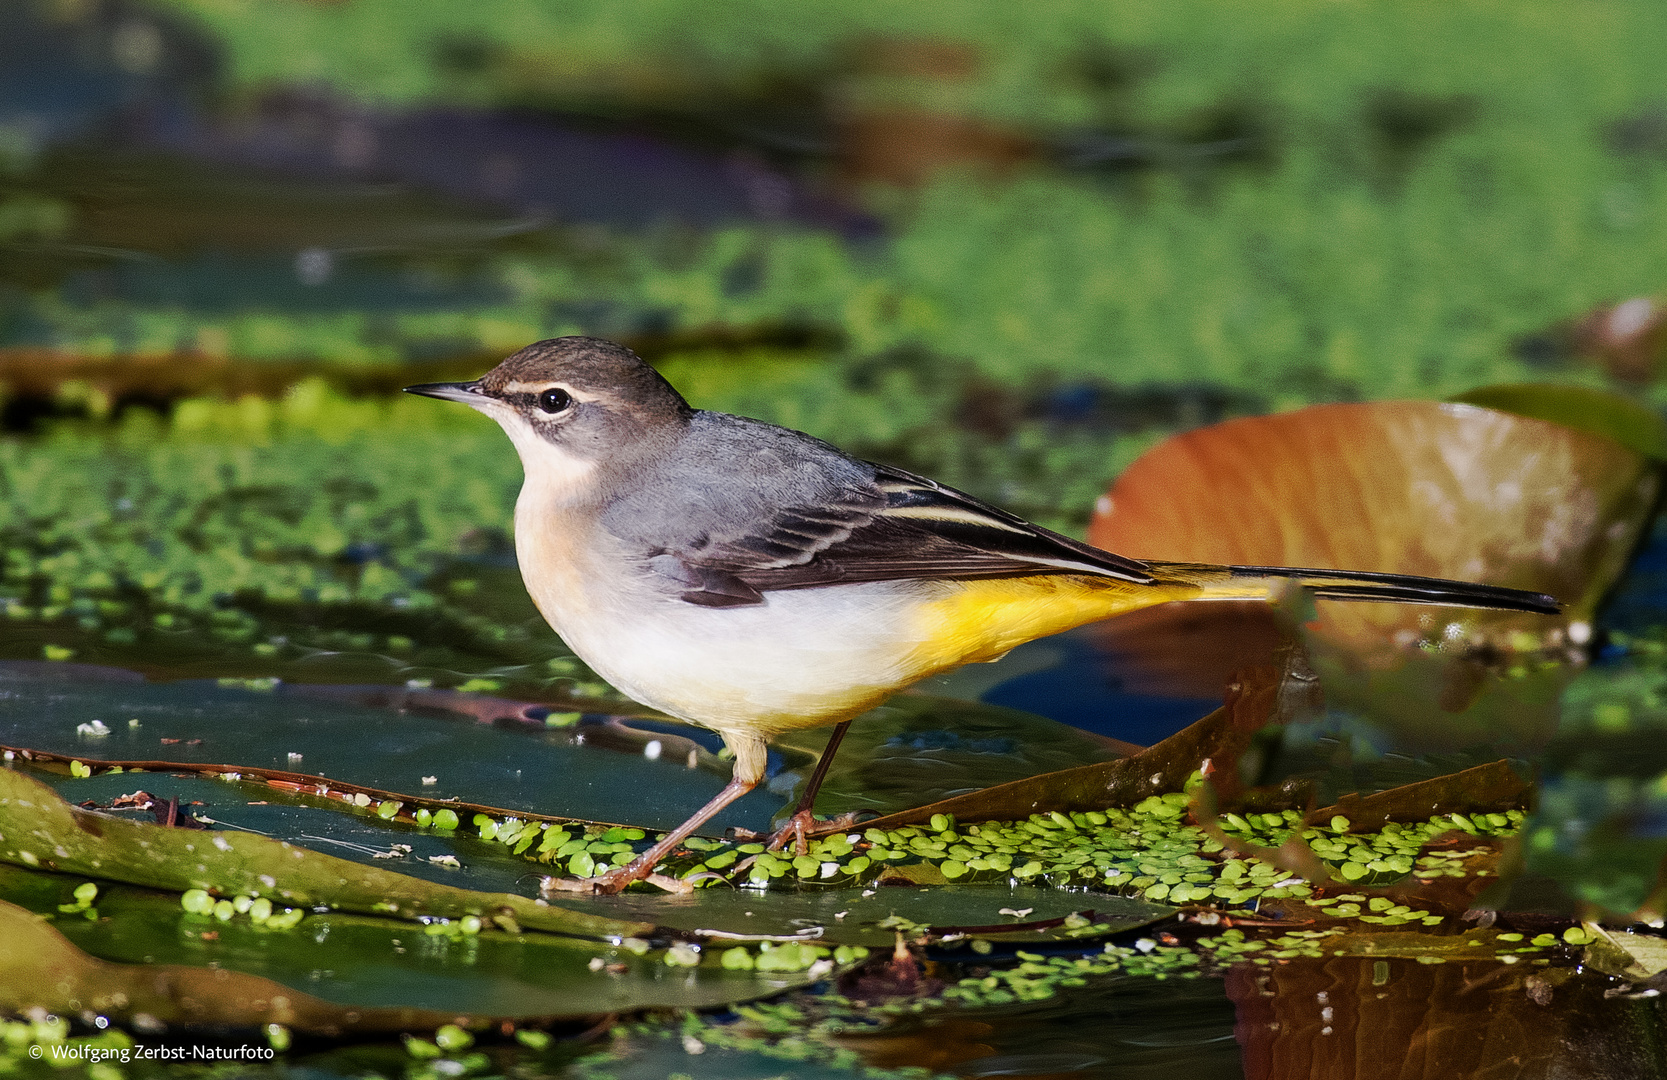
x=749 y=769
x=803 y=823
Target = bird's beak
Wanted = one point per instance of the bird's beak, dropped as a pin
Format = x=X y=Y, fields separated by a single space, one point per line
x=469 y=393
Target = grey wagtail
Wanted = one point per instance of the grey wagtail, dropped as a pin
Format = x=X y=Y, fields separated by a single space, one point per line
x=754 y=580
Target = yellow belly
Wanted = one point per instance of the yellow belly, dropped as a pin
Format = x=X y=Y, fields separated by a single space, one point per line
x=978 y=621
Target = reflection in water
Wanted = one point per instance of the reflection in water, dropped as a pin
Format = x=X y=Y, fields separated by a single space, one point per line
x=1128 y=1029
x=1396 y=1019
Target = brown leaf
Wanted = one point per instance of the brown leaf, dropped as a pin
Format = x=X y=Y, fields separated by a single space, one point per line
x=1414 y=487
x=1486 y=788
x=1221 y=737
x=1491 y=788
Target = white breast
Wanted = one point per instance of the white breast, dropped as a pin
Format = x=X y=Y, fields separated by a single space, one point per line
x=803 y=657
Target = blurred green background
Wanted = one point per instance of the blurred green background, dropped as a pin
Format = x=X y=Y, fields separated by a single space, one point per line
x=1010 y=246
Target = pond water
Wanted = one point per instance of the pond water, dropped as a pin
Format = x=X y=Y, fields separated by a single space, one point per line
x=1315 y=1017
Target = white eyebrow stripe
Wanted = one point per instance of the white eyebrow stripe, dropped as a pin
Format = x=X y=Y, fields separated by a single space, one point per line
x=520 y=387
x=952 y=514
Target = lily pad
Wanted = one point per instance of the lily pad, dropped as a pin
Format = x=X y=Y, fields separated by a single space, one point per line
x=40 y=830
x=1437 y=489
x=380 y=963
x=1413 y=487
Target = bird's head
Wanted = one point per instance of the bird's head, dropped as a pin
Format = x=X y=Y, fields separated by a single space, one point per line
x=574 y=406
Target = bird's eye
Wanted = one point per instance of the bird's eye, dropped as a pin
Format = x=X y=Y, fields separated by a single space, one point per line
x=554 y=400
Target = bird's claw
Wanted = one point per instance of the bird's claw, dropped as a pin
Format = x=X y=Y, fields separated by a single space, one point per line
x=803 y=825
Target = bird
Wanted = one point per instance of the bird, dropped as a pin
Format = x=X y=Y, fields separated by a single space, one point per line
x=755 y=580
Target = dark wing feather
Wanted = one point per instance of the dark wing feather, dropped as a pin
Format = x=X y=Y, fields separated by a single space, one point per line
x=900 y=527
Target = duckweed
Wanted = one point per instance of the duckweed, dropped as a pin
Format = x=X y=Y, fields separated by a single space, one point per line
x=258 y=909
x=1150 y=851
x=82 y=904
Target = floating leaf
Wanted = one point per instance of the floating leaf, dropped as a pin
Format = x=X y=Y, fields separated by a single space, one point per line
x=38 y=829
x=1432 y=883
x=1487 y=788
x=1443 y=490
x=1635 y=956
x=455 y=857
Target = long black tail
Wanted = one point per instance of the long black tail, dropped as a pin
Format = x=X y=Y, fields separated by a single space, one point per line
x=1405 y=589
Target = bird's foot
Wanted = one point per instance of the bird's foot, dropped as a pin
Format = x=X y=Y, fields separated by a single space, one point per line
x=803 y=825
x=614 y=881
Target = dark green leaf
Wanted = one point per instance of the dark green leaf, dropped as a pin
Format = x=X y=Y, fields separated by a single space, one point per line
x=860 y=916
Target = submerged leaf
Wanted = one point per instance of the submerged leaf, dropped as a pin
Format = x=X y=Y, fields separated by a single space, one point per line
x=40 y=969
x=474 y=968
x=871 y=917
x=1434 y=1016
x=38 y=829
